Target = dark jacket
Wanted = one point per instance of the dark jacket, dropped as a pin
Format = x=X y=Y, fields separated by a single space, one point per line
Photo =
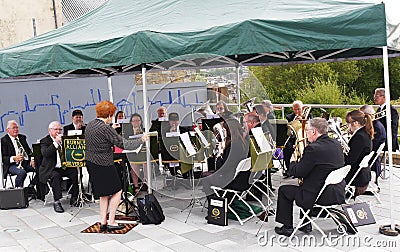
x=395 y=126
x=318 y=160
x=49 y=161
x=360 y=145
x=7 y=151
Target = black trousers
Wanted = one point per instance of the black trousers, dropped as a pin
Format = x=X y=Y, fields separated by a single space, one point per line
x=56 y=179
x=287 y=194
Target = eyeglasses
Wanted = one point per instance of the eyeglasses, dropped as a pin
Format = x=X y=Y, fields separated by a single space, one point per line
x=57 y=129
x=220 y=109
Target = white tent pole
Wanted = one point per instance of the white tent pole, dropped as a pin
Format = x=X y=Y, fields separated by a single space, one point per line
x=146 y=126
x=388 y=130
x=238 y=86
x=110 y=93
x=1 y=170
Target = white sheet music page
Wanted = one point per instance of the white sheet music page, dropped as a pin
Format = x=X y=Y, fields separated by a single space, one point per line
x=201 y=136
x=261 y=139
x=187 y=143
x=133 y=151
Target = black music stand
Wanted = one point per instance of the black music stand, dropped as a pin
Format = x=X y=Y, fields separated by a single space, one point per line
x=74 y=157
x=200 y=144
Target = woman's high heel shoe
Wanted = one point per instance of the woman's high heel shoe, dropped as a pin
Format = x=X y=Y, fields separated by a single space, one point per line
x=103 y=227
x=111 y=228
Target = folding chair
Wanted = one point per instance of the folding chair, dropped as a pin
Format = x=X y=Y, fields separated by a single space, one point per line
x=51 y=190
x=335 y=177
x=372 y=187
x=244 y=165
x=363 y=165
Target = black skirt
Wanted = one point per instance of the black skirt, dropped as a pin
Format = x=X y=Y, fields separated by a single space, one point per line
x=105 y=180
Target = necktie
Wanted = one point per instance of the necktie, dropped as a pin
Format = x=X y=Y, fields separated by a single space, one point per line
x=61 y=154
x=21 y=149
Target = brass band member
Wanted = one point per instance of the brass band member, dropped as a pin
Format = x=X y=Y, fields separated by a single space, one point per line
x=362 y=133
x=288 y=151
x=379 y=138
x=320 y=157
x=379 y=99
x=100 y=138
x=136 y=122
x=77 y=122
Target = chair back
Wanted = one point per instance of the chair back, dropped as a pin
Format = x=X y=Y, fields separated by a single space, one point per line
x=378 y=152
x=334 y=177
x=244 y=165
x=363 y=164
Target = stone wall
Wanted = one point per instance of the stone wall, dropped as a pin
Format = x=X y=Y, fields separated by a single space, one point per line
x=16 y=19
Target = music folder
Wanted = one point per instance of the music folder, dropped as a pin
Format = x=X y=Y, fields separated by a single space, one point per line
x=217 y=211
x=360 y=214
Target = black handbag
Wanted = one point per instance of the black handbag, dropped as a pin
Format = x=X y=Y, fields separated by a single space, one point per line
x=150 y=211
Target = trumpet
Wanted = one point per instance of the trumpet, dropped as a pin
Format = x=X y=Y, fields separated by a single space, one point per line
x=379 y=115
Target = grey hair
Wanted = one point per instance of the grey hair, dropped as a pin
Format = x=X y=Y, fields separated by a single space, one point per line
x=298 y=103
x=380 y=91
x=53 y=124
x=367 y=109
x=267 y=103
x=320 y=124
x=11 y=122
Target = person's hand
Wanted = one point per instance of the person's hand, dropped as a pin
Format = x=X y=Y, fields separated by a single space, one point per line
x=18 y=158
x=58 y=138
x=115 y=125
x=145 y=137
x=32 y=163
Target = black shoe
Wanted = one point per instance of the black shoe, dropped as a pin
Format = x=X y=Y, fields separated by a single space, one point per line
x=113 y=228
x=58 y=208
x=74 y=202
x=103 y=227
x=284 y=230
x=306 y=229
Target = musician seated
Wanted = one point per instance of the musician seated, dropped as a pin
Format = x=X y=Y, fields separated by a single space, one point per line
x=236 y=149
x=297 y=114
x=360 y=144
x=16 y=155
x=222 y=110
x=171 y=128
x=162 y=116
x=320 y=157
x=77 y=122
x=51 y=169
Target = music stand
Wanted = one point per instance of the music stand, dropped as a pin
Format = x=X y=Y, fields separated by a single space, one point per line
x=199 y=144
x=74 y=157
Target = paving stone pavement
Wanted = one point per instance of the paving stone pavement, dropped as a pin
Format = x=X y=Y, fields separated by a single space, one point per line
x=39 y=228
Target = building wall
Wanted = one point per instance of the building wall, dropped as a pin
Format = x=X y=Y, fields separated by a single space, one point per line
x=16 y=19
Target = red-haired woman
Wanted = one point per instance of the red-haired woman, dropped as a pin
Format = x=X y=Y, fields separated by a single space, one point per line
x=100 y=138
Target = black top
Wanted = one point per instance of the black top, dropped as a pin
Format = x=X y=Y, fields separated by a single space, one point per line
x=360 y=145
x=318 y=160
x=395 y=126
x=8 y=150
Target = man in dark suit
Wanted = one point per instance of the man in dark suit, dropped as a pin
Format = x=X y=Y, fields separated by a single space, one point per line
x=380 y=99
x=320 y=157
x=77 y=122
x=162 y=116
x=51 y=169
x=16 y=155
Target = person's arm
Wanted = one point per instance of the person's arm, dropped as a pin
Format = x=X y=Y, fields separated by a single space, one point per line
x=306 y=163
x=116 y=139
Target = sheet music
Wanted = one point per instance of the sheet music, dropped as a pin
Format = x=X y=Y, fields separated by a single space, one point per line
x=201 y=136
x=74 y=132
x=133 y=151
x=211 y=116
x=172 y=134
x=261 y=139
x=123 y=121
x=187 y=143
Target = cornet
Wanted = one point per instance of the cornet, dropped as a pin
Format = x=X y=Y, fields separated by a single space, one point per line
x=20 y=152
